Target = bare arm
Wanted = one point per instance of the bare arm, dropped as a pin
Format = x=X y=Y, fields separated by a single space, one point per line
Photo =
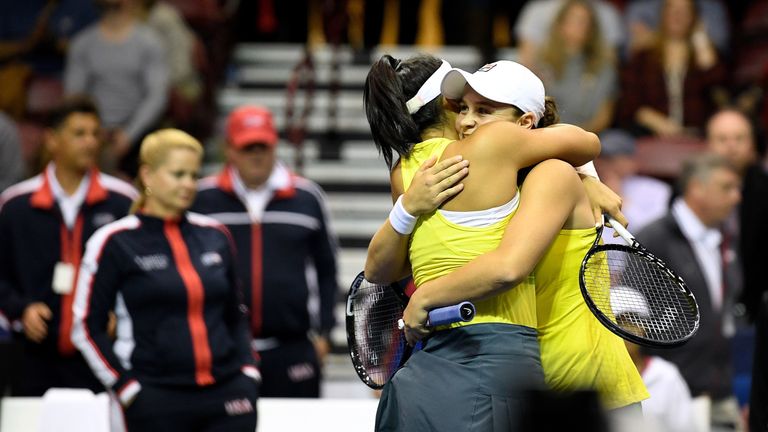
x=521 y=147
x=435 y=182
x=76 y=74
x=549 y=197
x=387 y=259
x=658 y=122
x=704 y=51
x=155 y=84
x=504 y=142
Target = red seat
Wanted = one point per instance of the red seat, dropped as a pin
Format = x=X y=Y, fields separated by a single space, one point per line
x=663 y=157
x=43 y=94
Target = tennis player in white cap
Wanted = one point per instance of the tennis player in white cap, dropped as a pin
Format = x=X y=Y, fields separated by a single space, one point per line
x=469 y=376
x=577 y=351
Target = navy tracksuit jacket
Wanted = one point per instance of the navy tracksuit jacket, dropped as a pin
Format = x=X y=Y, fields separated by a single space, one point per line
x=172 y=284
x=283 y=259
x=34 y=237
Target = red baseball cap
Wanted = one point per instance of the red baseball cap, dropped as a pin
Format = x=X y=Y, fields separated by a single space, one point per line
x=251 y=125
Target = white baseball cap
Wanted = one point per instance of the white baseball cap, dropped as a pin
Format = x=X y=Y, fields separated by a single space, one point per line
x=503 y=81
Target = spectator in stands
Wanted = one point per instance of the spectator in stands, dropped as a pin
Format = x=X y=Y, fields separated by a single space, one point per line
x=536 y=19
x=179 y=42
x=730 y=134
x=273 y=21
x=758 y=397
x=44 y=224
x=11 y=163
x=749 y=62
x=121 y=63
x=578 y=69
x=182 y=360
x=669 y=409
x=667 y=89
x=286 y=253
x=23 y=30
x=642 y=18
x=645 y=199
x=38 y=32
x=374 y=12
x=477 y=23
x=688 y=239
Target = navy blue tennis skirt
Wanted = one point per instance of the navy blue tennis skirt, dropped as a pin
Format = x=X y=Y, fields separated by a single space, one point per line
x=465 y=379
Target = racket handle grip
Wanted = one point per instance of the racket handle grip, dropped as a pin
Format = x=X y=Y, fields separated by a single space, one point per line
x=623 y=233
x=462 y=312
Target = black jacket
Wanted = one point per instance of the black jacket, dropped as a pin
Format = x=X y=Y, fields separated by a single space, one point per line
x=34 y=237
x=753 y=223
x=173 y=287
x=705 y=360
x=284 y=258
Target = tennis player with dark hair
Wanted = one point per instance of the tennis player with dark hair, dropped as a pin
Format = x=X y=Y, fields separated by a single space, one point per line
x=491 y=359
x=182 y=360
x=44 y=224
x=577 y=352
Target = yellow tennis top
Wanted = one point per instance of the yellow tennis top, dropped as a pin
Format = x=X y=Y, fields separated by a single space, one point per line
x=437 y=247
x=577 y=352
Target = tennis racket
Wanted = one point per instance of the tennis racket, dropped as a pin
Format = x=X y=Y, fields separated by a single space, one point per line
x=376 y=340
x=635 y=295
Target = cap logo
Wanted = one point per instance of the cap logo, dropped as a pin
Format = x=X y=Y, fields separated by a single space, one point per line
x=253 y=121
x=487 y=67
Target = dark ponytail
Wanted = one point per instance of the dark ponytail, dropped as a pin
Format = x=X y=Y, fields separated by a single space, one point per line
x=388 y=86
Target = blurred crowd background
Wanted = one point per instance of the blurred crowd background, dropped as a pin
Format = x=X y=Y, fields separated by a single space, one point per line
x=598 y=58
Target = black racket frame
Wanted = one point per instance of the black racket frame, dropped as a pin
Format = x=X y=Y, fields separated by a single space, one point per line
x=357 y=364
x=638 y=250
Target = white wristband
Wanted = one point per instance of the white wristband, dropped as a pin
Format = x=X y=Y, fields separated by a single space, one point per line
x=401 y=220
x=588 y=169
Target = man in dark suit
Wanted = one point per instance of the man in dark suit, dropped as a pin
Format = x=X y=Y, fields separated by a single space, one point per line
x=689 y=239
x=731 y=134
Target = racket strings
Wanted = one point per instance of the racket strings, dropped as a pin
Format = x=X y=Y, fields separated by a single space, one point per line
x=379 y=344
x=639 y=295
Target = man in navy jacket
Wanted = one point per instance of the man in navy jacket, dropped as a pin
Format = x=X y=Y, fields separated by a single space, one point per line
x=44 y=224
x=286 y=253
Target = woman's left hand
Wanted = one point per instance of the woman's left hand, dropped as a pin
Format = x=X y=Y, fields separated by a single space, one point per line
x=415 y=317
x=434 y=183
x=603 y=201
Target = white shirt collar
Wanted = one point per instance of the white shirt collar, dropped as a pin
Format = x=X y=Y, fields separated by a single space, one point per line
x=68 y=204
x=256 y=200
x=279 y=178
x=692 y=227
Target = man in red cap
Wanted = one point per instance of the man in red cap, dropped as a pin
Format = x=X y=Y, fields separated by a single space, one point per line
x=286 y=253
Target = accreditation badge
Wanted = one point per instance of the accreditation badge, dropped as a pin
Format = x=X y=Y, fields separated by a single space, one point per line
x=63 y=278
